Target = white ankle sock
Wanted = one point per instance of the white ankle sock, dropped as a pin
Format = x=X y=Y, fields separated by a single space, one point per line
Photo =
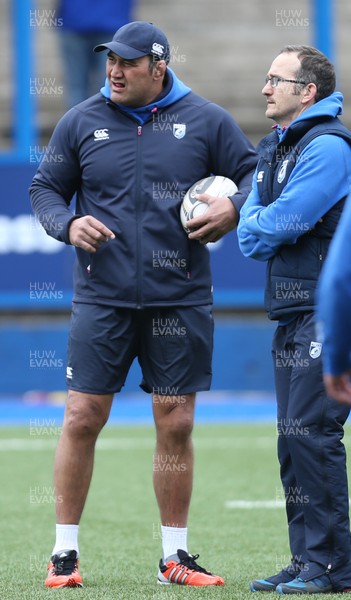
x=66 y=538
x=173 y=538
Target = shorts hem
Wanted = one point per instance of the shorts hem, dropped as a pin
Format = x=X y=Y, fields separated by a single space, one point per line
x=149 y=390
x=95 y=393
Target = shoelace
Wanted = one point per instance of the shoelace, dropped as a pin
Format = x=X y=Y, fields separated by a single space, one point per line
x=189 y=561
x=292 y=569
x=65 y=566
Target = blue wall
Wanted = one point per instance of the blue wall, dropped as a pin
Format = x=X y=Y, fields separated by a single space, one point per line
x=36 y=275
x=33 y=356
x=36 y=270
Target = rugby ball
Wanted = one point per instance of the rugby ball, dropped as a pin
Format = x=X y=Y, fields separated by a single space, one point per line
x=216 y=185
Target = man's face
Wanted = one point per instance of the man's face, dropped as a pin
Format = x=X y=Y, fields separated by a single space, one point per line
x=132 y=82
x=284 y=101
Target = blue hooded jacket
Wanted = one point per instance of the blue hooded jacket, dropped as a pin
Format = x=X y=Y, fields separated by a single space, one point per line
x=293 y=209
x=130 y=169
x=334 y=300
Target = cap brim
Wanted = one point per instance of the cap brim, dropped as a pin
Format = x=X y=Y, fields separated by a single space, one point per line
x=121 y=50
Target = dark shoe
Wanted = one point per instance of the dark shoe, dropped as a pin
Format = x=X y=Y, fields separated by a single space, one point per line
x=319 y=585
x=270 y=583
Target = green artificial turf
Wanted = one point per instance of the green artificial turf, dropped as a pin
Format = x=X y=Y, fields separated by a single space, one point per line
x=119 y=537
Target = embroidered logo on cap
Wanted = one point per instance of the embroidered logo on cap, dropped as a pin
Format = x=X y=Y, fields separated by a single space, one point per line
x=157 y=49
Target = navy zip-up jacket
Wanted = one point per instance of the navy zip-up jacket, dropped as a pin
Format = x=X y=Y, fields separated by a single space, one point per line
x=131 y=174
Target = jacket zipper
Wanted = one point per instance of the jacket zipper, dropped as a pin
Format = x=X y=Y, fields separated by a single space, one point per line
x=138 y=221
x=320 y=256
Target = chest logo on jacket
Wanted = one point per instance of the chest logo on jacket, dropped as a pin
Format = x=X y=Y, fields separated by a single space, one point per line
x=179 y=130
x=101 y=134
x=282 y=171
x=315 y=349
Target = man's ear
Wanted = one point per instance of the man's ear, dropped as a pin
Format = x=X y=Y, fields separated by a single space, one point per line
x=309 y=93
x=159 y=69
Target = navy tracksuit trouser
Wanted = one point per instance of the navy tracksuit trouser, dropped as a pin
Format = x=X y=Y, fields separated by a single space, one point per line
x=312 y=456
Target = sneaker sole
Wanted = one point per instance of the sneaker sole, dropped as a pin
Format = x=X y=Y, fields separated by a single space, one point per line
x=71 y=583
x=293 y=591
x=183 y=585
x=261 y=587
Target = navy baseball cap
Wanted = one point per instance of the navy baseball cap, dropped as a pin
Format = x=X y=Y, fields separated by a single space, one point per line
x=137 y=39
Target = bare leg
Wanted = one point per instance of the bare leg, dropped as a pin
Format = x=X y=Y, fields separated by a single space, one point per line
x=174 y=458
x=85 y=416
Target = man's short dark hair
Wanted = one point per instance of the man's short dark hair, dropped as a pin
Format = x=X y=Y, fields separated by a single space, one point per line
x=315 y=68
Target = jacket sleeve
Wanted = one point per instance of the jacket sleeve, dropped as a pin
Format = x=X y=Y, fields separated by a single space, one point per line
x=250 y=244
x=244 y=189
x=56 y=181
x=314 y=186
x=232 y=154
x=334 y=300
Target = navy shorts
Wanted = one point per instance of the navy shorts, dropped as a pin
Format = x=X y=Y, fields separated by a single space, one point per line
x=173 y=346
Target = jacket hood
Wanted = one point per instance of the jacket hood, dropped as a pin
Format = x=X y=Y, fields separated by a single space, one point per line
x=177 y=90
x=331 y=106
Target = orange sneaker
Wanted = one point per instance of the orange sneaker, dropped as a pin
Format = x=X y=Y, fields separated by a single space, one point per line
x=183 y=570
x=63 y=570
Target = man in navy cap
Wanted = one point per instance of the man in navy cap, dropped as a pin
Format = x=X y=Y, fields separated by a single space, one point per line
x=142 y=287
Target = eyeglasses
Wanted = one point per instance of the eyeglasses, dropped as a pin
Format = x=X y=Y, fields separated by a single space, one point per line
x=275 y=80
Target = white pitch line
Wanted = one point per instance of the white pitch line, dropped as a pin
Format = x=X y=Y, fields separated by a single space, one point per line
x=253 y=504
x=256 y=504
x=39 y=444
